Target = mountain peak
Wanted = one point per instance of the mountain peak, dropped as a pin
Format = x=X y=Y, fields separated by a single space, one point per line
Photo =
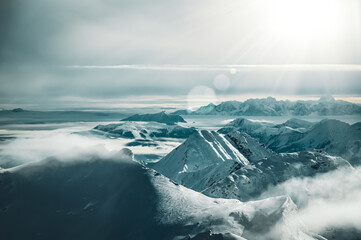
x=201 y=150
x=18 y=110
x=271 y=99
x=327 y=98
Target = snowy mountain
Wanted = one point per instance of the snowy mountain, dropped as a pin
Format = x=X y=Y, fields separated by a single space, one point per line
x=143 y=130
x=208 y=171
x=93 y=197
x=333 y=136
x=263 y=131
x=297 y=124
x=271 y=107
x=249 y=147
x=160 y=117
x=197 y=156
x=249 y=182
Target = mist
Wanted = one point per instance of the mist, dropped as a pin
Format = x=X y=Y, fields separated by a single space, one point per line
x=327 y=201
x=63 y=143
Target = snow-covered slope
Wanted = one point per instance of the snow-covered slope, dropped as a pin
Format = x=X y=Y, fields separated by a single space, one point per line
x=143 y=130
x=263 y=131
x=199 y=155
x=199 y=151
x=267 y=132
x=92 y=197
x=249 y=182
x=205 y=110
x=249 y=147
x=237 y=177
x=296 y=123
x=271 y=107
x=160 y=117
x=333 y=136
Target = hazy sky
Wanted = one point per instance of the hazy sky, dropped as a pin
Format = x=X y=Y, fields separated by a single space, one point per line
x=84 y=52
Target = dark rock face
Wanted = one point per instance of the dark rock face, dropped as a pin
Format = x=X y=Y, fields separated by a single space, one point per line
x=18 y=110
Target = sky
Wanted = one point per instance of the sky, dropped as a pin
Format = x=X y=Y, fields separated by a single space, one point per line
x=74 y=54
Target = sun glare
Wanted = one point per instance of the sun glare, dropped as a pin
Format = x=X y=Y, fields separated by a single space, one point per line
x=304 y=20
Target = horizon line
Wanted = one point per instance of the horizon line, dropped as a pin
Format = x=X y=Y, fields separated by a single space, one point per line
x=232 y=68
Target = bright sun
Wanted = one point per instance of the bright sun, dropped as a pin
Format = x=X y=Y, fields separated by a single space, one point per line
x=304 y=20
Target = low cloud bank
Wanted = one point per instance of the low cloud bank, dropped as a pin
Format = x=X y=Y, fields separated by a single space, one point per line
x=326 y=202
x=59 y=143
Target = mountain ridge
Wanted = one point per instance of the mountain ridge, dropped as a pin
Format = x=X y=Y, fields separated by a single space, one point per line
x=232 y=178
x=160 y=117
x=330 y=135
x=271 y=107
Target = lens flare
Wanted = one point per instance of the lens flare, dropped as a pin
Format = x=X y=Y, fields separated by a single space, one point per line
x=200 y=96
x=221 y=82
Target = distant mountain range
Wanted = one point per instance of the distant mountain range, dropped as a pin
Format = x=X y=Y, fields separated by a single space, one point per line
x=160 y=117
x=21 y=116
x=271 y=107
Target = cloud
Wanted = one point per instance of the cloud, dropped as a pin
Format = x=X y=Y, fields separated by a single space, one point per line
x=326 y=201
x=35 y=145
x=136 y=48
x=113 y=32
x=41 y=86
